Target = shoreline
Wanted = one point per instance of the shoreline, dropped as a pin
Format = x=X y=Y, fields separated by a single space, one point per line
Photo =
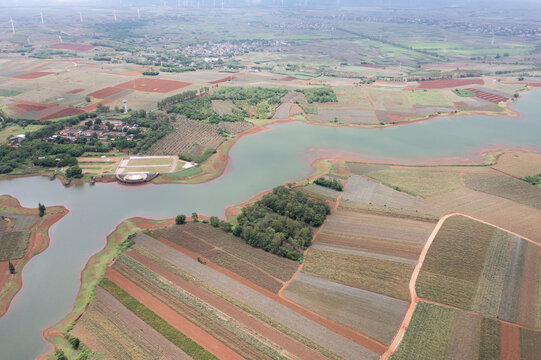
x=38 y=242
x=216 y=165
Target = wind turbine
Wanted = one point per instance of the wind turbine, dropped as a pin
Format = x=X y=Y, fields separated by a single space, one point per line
x=12 y=26
x=81 y=16
x=138 y=14
x=114 y=14
x=41 y=14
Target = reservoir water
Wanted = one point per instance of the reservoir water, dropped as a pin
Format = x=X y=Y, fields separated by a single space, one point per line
x=257 y=163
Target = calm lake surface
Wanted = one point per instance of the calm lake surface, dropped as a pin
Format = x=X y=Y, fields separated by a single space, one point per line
x=258 y=162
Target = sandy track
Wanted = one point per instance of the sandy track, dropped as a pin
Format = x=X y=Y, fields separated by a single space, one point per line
x=173 y=318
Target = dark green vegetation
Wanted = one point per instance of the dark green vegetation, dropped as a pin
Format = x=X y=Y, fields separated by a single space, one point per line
x=533 y=179
x=332 y=183
x=151 y=73
x=490 y=339
x=200 y=109
x=170 y=333
x=40 y=149
x=319 y=95
x=464 y=93
x=253 y=96
x=176 y=99
x=281 y=222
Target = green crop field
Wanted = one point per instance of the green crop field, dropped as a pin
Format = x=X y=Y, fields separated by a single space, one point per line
x=454 y=262
x=428 y=333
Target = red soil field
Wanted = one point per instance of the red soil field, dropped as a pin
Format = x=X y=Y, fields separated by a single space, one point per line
x=74 y=47
x=75 y=91
x=509 y=341
x=223 y=80
x=21 y=108
x=173 y=318
x=153 y=85
x=528 y=283
x=449 y=83
x=485 y=95
x=288 y=78
x=105 y=92
x=62 y=113
x=131 y=73
x=95 y=105
x=33 y=75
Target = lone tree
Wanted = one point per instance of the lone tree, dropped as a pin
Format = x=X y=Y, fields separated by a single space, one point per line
x=195 y=217
x=180 y=219
x=11 y=268
x=41 y=208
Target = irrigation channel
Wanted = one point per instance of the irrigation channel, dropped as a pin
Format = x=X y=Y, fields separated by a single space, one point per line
x=257 y=163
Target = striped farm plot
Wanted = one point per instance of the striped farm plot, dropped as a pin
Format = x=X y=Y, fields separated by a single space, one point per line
x=506 y=187
x=437 y=332
x=309 y=337
x=147 y=164
x=109 y=328
x=510 y=215
x=365 y=191
x=477 y=267
x=371 y=313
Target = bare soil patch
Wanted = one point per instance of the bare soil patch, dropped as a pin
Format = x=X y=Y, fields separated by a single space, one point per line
x=33 y=75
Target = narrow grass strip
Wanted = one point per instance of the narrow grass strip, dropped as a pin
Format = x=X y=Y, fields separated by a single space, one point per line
x=187 y=345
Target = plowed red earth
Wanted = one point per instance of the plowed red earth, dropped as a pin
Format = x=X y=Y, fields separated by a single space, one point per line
x=222 y=80
x=449 y=83
x=33 y=75
x=74 y=47
x=509 y=341
x=485 y=95
x=173 y=318
x=105 y=92
x=153 y=85
x=75 y=91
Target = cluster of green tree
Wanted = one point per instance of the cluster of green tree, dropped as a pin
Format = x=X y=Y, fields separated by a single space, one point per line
x=332 y=183
x=200 y=109
x=52 y=127
x=74 y=172
x=533 y=179
x=197 y=158
x=224 y=225
x=38 y=152
x=253 y=96
x=281 y=222
x=319 y=95
x=157 y=125
x=151 y=73
x=176 y=99
x=177 y=69
x=102 y=58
